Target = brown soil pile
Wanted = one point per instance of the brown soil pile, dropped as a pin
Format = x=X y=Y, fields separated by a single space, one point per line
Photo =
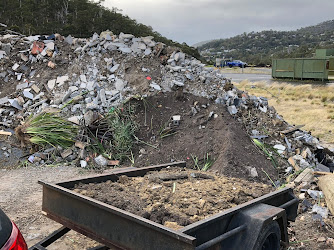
x=199 y=134
x=174 y=197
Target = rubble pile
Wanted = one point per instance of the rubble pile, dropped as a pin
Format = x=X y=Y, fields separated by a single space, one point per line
x=83 y=78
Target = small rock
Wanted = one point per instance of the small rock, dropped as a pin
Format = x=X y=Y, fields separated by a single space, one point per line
x=35 y=88
x=114 y=68
x=66 y=153
x=232 y=110
x=119 y=85
x=27 y=94
x=83 y=163
x=101 y=161
x=51 y=84
x=321 y=239
x=89 y=117
x=74 y=119
x=280 y=148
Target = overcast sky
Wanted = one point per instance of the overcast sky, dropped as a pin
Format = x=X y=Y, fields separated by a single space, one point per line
x=193 y=21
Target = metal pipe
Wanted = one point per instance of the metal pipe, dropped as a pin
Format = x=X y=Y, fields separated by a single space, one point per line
x=220 y=238
x=287 y=204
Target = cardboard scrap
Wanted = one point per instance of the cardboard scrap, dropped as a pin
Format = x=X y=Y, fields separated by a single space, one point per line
x=80 y=144
x=293 y=164
x=113 y=163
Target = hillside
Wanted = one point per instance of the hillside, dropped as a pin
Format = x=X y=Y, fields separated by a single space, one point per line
x=260 y=47
x=79 y=18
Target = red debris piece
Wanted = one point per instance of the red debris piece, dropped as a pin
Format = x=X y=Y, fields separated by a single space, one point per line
x=37 y=48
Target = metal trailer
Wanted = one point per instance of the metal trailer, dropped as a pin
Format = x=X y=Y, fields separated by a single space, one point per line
x=257 y=224
x=320 y=67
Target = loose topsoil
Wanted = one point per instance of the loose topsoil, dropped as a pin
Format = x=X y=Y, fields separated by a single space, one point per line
x=198 y=135
x=174 y=197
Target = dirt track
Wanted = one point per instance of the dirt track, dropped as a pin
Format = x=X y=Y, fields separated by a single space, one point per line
x=21 y=199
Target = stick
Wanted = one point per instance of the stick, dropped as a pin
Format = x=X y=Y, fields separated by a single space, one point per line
x=145 y=142
x=321 y=173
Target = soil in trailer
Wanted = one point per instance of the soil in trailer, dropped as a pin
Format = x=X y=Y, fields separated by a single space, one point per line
x=174 y=197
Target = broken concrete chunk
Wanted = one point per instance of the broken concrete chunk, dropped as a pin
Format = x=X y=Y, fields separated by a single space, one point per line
x=51 y=84
x=147 y=52
x=2 y=54
x=24 y=57
x=114 y=68
x=125 y=36
x=69 y=40
x=125 y=50
x=101 y=161
x=322 y=211
x=301 y=161
x=306 y=153
x=74 y=119
x=50 y=45
x=27 y=94
x=92 y=106
x=35 y=88
x=83 y=78
x=119 y=85
x=103 y=97
x=232 y=110
x=178 y=83
x=322 y=168
x=280 y=148
x=4 y=100
x=90 y=86
x=61 y=80
x=15 y=66
x=14 y=103
x=155 y=86
x=89 y=117
x=83 y=163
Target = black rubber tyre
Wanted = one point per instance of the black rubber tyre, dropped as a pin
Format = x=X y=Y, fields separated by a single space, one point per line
x=269 y=238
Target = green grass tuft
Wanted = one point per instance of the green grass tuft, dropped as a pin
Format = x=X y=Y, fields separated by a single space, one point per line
x=51 y=129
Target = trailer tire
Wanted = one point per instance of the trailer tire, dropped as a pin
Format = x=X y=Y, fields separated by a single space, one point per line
x=269 y=237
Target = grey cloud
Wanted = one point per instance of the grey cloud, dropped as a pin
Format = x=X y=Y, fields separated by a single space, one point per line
x=194 y=21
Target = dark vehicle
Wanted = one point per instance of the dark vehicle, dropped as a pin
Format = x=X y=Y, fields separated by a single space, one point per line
x=10 y=236
x=237 y=63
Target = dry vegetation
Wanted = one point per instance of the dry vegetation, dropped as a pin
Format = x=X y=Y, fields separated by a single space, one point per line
x=247 y=70
x=303 y=104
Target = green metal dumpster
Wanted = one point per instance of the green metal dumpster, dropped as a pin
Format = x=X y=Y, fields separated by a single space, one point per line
x=320 y=67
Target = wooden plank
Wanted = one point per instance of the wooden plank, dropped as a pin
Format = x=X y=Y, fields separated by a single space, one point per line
x=305 y=176
x=2 y=132
x=326 y=184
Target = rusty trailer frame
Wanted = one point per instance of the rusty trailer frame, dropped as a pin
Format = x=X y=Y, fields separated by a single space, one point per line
x=235 y=228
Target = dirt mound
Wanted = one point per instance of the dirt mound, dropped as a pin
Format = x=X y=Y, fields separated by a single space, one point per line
x=205 y=130
x=174 y=197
